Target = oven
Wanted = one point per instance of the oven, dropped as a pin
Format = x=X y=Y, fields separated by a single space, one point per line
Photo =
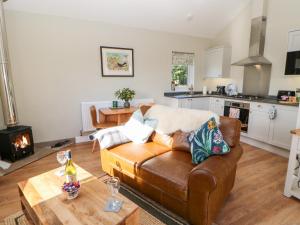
x=238 y=110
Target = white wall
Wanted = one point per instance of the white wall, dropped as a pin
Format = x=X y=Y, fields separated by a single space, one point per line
x=282 y=16
x=56 y=65
x=236 y=35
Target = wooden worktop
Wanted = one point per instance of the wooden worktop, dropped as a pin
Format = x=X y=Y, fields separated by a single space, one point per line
x=296 y=132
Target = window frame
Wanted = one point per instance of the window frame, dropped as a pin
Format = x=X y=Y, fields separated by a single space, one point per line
x=190 y=74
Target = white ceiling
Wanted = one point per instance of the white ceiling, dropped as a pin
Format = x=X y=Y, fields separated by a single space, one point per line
x=204 y=18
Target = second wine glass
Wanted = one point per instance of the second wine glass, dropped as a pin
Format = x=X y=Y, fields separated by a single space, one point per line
x=61 y=159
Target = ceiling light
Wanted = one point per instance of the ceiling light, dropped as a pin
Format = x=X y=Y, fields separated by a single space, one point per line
x=189 y=17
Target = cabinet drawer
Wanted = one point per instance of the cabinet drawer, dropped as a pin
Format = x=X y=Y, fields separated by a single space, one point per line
x=262 y=107
x=217 y=101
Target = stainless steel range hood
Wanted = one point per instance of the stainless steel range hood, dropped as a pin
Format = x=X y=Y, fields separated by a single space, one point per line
x=257 y=44
x=6 y=85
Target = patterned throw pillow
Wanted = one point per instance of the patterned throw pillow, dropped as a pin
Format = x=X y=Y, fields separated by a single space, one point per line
x=207 y=141
x=109 y=137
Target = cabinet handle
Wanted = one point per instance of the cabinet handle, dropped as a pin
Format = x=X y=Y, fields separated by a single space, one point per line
x=258 y=106
x=217 y=100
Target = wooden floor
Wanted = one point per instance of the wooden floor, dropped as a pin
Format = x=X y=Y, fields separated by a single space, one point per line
x=256 y=198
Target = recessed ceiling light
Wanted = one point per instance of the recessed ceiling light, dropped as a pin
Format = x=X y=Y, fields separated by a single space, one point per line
x=189 y=17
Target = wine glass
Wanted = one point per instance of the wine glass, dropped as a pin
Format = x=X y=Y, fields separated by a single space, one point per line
x=62 y=159
x=113 y=184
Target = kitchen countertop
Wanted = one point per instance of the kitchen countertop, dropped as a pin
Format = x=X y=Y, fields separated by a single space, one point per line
x=197 y=94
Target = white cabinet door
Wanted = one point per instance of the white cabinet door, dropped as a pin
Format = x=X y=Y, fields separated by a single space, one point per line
x=294 y=41
x=185 y=103
x=219 y=106
x=216 y=105
x=217 y=62
x=259 y=125
x=214 y=62
x=171 y=102
x=281 y=126
x=200 y=103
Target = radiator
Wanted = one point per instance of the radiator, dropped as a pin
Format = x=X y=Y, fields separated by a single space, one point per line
x=86 y=116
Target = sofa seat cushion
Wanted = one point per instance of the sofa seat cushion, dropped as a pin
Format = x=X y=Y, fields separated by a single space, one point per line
x=128 y=157
x=168 y=172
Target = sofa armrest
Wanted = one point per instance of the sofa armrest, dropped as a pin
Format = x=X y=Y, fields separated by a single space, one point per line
x=209 y=184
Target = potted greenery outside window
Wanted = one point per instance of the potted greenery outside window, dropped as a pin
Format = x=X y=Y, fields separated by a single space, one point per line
x=126 y=95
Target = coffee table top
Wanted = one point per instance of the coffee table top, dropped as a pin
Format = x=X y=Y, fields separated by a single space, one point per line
x=44 y=196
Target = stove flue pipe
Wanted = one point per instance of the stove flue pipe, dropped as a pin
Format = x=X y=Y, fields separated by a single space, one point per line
x=6 y=84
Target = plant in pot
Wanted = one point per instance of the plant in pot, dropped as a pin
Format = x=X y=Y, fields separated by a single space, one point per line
x=126 y=95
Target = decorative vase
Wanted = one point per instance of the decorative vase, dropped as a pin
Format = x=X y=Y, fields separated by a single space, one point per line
x=126 y=104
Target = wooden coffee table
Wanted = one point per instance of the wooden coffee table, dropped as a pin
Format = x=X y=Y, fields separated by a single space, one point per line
x=43 y=202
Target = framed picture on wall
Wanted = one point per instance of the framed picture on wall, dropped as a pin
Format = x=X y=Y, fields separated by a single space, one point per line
x=116 y=62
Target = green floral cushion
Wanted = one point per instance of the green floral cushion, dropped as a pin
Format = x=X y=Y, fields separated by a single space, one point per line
x=207 y=141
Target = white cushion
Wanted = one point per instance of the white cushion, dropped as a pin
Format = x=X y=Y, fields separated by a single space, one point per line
x=137 y=129
x=110 y=137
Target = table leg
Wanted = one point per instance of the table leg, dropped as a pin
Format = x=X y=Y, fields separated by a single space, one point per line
x=133 y=219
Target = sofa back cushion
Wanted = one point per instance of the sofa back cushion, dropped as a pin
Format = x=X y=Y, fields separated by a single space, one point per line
x=230 y=129
x=181 y=141
x=162 y=139
x=172 y=119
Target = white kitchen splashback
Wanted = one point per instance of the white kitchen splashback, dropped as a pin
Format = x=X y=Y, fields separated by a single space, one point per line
x=85 y=110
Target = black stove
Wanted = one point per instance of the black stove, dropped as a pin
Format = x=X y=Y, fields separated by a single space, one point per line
x=247 y=97
x=16 y=143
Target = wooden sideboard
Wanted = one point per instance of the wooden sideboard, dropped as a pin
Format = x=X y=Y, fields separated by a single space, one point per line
x=115 y=116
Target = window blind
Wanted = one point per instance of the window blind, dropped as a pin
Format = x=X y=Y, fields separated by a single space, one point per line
x=182 y=58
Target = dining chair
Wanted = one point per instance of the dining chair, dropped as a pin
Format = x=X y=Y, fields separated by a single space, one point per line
x=101 y=124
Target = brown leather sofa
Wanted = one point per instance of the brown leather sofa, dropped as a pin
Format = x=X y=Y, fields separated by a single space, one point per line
x=167 y=176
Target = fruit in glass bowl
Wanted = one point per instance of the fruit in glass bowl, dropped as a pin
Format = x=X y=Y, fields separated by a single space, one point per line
x=71 y=189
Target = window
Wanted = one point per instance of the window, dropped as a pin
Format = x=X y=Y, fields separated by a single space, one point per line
x=183 y=69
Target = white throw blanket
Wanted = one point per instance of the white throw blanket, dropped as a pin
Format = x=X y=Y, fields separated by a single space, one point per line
x=173 y=119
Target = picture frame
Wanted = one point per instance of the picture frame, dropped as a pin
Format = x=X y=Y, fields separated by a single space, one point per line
x=117 y=62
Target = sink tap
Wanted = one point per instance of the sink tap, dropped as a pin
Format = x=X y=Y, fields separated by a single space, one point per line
x=191 y=89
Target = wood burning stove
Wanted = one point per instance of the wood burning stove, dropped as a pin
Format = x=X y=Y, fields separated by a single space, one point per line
x=16 y=143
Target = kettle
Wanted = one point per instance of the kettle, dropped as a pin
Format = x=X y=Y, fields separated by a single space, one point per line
x=231 y=90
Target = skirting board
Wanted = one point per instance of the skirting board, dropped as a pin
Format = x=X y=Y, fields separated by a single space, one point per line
x=264 y=146
x=82 y=139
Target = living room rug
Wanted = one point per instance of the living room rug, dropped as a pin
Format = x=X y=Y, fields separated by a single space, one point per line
x=151 y=206
x=20 y=219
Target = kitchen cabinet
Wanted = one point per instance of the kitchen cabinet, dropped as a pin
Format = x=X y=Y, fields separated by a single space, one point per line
x=272 y=131
x=259 y=122
x=200 y=103
x=260 y=127
x=217 y=62
x=194 y=103
x=281 y=126
x=185 y=103
x=216 y=105
x=190 y=103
